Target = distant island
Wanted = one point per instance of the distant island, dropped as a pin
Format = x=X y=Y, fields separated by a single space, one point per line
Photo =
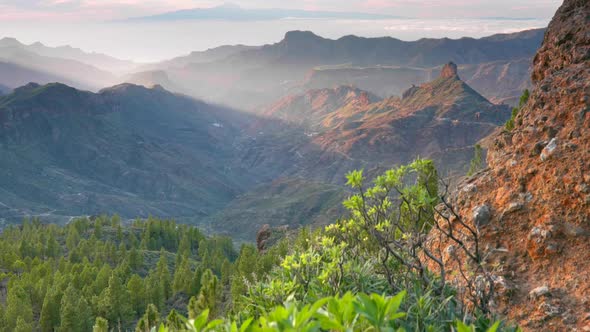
x=234 y=12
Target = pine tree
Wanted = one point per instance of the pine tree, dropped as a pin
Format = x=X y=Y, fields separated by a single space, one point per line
x=184 y=247
x=174 y=322
x=204 y=253
x=135 y=287
x=23 y=326
x=193 y=308
x=52 y=249
x=150 y=319
x=50 y=312
x=70 y=319
x=100 y=325
x=135 y=258
x=195 y=287
x=208 y=297
x=18 y=305
x=477 y=161
x=85 y=315
x=98 y=228
x=2 y=320
x=154 y=292
x=226 y=272
x=182 y=277
x=245 y=268
x=164 y=275
x=102 y=279
x=73 y=238
x=114 y=303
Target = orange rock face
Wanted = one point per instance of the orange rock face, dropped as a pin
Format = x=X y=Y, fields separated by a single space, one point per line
x=538 y=185
x=449 y=70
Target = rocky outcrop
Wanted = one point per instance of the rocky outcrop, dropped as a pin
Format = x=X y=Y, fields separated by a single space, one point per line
x=262 y=236
x=449 y=70
x=441 y=119
x=537 y=186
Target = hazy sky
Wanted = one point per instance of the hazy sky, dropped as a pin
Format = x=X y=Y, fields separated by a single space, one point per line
x=116 y=9
x=89 y=24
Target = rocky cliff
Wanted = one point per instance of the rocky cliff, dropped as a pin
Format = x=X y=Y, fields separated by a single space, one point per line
x=537 y=187
x=441 y=119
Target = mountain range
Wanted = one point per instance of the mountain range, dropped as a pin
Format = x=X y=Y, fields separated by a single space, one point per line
x=298 y=115
x=136 y=150
x=143 y=151
x=22 y=64
x=500 y=81
x=250 y=79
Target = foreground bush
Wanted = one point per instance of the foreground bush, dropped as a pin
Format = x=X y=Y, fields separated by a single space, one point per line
x=347 y=313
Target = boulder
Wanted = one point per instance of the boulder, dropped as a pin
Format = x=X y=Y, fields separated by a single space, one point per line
x=539 y=292
x=482 y=215
x=549 y=150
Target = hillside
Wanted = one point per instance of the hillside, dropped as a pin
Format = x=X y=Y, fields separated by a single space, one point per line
x=305 y=144
x=536 y=189
x=103 y=267
x=127 y=149
x=288 y=203
x=139 y=152
x=441 y=119
x=310 y=108
x=4 y=89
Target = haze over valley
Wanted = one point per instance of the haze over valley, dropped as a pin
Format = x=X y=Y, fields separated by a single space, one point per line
x=304 y=110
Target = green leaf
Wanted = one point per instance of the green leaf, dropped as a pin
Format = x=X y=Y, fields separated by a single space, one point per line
x=212 y=324
x=201 y=320
x=494 y=327
x=246 y=324
x=461 y=327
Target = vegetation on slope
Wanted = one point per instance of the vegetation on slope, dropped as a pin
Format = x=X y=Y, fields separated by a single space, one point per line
x=521 y=103
x=61 y=278
x=156 y=272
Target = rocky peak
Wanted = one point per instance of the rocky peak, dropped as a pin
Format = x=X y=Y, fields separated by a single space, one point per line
x=449 y=70
x=538 y=185
x=298 y=37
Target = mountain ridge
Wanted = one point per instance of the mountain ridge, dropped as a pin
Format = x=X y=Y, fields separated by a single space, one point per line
x=98 y=60
x=73 y=152
x=257 y=77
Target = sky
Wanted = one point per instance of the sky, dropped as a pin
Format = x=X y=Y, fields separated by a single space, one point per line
x=99 y=25
x=96 y=10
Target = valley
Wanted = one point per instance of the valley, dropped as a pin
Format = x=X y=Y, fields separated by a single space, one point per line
x=140 y=151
